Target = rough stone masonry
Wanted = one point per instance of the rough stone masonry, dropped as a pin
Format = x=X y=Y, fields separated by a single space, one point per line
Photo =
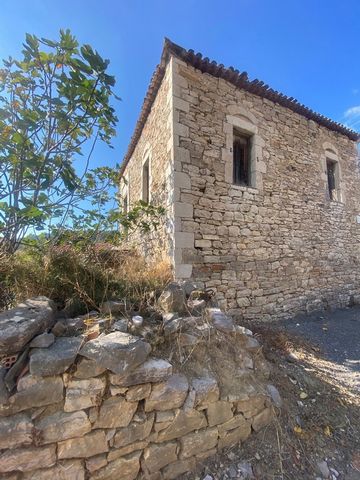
x=110 y=408
x=279 y=245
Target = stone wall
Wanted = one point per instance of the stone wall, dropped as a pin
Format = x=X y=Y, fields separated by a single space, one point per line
x=104 y=408
x=154 y=145
x=277 y=248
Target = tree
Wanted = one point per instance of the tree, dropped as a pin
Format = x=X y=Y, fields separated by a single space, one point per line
x=54 y=102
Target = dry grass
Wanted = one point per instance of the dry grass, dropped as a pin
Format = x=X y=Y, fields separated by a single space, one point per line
x=81 y=279
x=5 y=291
x=323 y=426
x=274 y=339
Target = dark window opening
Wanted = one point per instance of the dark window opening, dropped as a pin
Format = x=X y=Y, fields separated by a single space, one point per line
x=241 y=160
x=126 y=206
x=331 y=175
x=146 y=182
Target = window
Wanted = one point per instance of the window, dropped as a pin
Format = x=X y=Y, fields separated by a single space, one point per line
x=243 y=153
x=332 y=177
x=146 y=182
x=241 y=159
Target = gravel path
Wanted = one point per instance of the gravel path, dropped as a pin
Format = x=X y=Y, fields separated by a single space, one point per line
x=337 y=334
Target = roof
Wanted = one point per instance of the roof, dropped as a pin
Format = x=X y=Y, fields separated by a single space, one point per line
x=230 y=74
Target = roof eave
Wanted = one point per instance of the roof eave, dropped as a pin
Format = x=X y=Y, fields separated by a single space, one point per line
x=230 y=74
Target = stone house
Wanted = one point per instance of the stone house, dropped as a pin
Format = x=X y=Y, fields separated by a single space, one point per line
x=261 y=193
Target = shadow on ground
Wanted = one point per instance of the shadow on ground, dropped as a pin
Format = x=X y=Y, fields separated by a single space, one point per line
x=337 y=334
x=315 y=365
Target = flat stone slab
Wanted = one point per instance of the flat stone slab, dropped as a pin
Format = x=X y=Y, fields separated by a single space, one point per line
x=181 y=324
x=219 y=412
x=206 y=391
x=27 y=459
x=34 y=392
x=118 y=351
x=62 y=426
x=173 y=299
x=84 y=393
x=168 y=395
x=56 y=359
x=183 y=423
x=275 y=395
x=66 y=470
x=20 y=324
x=261 y=419
x=15 y=431
x=220 y=320
x=158 y=456
x=198 y=442
x=115 y=412
x=129 y=467
x=135 y=432
x=87 y=446
x=87 y=368
x=152 y=371
x=44 y=340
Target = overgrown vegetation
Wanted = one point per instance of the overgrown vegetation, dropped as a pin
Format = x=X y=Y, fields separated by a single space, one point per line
x=61 y=222
x=55 y=104
x=79 y=276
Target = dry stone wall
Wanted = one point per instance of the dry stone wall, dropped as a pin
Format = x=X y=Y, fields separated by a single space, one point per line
x=280 y=246
x=108 y=408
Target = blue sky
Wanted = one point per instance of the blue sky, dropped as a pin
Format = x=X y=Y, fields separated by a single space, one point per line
x=308 y=49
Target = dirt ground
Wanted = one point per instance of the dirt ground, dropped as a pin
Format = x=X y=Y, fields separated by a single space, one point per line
x=315 y=364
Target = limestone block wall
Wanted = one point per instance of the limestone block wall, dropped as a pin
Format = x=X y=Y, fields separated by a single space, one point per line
x=89 y=422
x=280 y=246
x=154 y=146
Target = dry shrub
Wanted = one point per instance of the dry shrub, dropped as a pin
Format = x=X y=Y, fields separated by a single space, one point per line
x=80 y=279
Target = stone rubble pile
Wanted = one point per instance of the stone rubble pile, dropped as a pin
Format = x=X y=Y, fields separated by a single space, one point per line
x=105 y=408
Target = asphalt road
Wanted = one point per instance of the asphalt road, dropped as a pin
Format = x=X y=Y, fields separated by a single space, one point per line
x=337 y=334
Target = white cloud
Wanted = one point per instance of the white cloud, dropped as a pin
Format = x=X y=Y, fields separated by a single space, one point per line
x=352 y=117
x=352 y=112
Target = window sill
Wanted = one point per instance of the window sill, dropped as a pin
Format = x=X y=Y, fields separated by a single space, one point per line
x=244 y=188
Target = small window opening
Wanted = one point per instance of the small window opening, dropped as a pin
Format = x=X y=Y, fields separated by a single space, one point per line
x=146 y=182
x=331 y=167
x=126 y=205
x=241 y=159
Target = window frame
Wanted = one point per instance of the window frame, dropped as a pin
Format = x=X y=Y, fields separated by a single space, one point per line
x=330 y=155
x=146 y=164
x=332 y=180
x=244 y=123
x=145 y=175
x=241 y=159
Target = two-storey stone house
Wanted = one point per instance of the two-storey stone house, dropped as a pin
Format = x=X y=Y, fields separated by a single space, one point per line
x=262 y=194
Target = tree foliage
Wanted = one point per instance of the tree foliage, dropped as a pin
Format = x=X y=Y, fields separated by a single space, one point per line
x=53 y=102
